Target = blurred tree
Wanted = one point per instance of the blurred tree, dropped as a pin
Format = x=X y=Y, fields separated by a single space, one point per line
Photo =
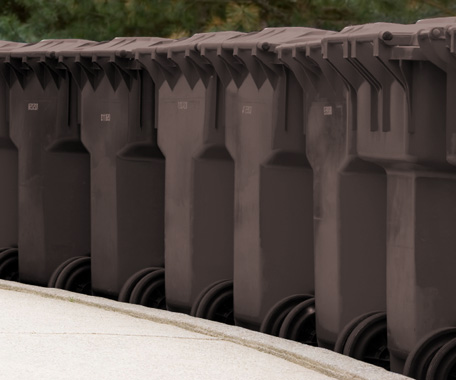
x=32 y=20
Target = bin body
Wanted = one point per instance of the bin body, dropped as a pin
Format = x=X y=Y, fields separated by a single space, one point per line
x=8 y=163
x=199 y=173
x=349 y=196
x=126 y=166
x=273 y=236
x=53 y=166
x=401 y=119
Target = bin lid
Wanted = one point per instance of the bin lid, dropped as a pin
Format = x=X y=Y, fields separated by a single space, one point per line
x=185 y=54
x=33 y=55
x=257 y=51
x=113 y=57
x=119 y=47
x=46 y=48
x=386 y=34
x=373 y=48
x=303 y=57
x=439 y=45
x=7 y=46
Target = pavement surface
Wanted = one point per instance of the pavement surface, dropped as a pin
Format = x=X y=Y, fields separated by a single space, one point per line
x=55 y=334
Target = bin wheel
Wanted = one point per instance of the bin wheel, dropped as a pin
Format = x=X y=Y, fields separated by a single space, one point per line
x=58 y=270
x=198 y=299
x=216 y=303
x=368 y=341
x=443 y=365
x=9 y=264
x=299 y=324
x=76 y=276
x=127 y=288
x=348 y=329
x=274 y=318
x=419 y=359
x=150 y=290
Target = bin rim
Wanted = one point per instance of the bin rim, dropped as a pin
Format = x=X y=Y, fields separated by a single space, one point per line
x=122 y=47
x=47 y=48
x=302 y=45
x=392 y=34
x=185 y=57
x=196 y=42
x=7 y=46
x=270 y=38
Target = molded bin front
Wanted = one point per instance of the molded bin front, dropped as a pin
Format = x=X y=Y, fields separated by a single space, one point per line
x=127 y=170
x=349 y=208
x=199 y=178
x=8 y=170
x=434 y=355
x=53 y=166
x=273 y=234
x=401 y=126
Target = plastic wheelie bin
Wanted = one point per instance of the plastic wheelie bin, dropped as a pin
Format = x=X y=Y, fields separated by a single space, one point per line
x=401 y=126
x=434 y=355
x=8 y=170
x=127 y=170
x=349 y=204
x=273 y=235
x=199 y=177
x=53 y=166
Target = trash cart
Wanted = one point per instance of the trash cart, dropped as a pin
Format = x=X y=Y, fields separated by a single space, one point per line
x=434 y=355
x=53 y=166
x=401 y=126
x=127 y=170
x=199 y=177
x=349 y=207
x=8 y=168
x=273 y=235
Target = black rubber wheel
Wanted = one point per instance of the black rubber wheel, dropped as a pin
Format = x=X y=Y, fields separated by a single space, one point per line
x=154 y=296
x=9 y=264
x=217 y=303
x=299 y=324
x=76 y=276
x=274 y=318
x=368 y=341
x=197 y=302
x=221 y=309
x=419 y=359
x=443 y=365
x=150 y=290
x=58 y=270
x=348 y=329
x=127 y=288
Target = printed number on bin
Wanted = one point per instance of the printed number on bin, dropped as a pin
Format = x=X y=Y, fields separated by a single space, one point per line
x=327 y=110
x=247 y=110
x=105 y=117
x=33 y=106
x=182 y=105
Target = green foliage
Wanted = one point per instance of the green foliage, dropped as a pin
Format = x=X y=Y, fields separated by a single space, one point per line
x=33 y=20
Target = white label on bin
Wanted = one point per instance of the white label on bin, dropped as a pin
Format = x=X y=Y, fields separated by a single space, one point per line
x=327 y=110
x=105 y=117
x=33 y=106
x=182 y=105
x=247 y=110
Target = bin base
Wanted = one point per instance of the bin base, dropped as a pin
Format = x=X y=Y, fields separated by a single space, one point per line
x=396 y=364
x=246 y=325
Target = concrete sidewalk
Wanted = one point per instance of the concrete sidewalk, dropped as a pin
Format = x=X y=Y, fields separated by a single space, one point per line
x=54 y=334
